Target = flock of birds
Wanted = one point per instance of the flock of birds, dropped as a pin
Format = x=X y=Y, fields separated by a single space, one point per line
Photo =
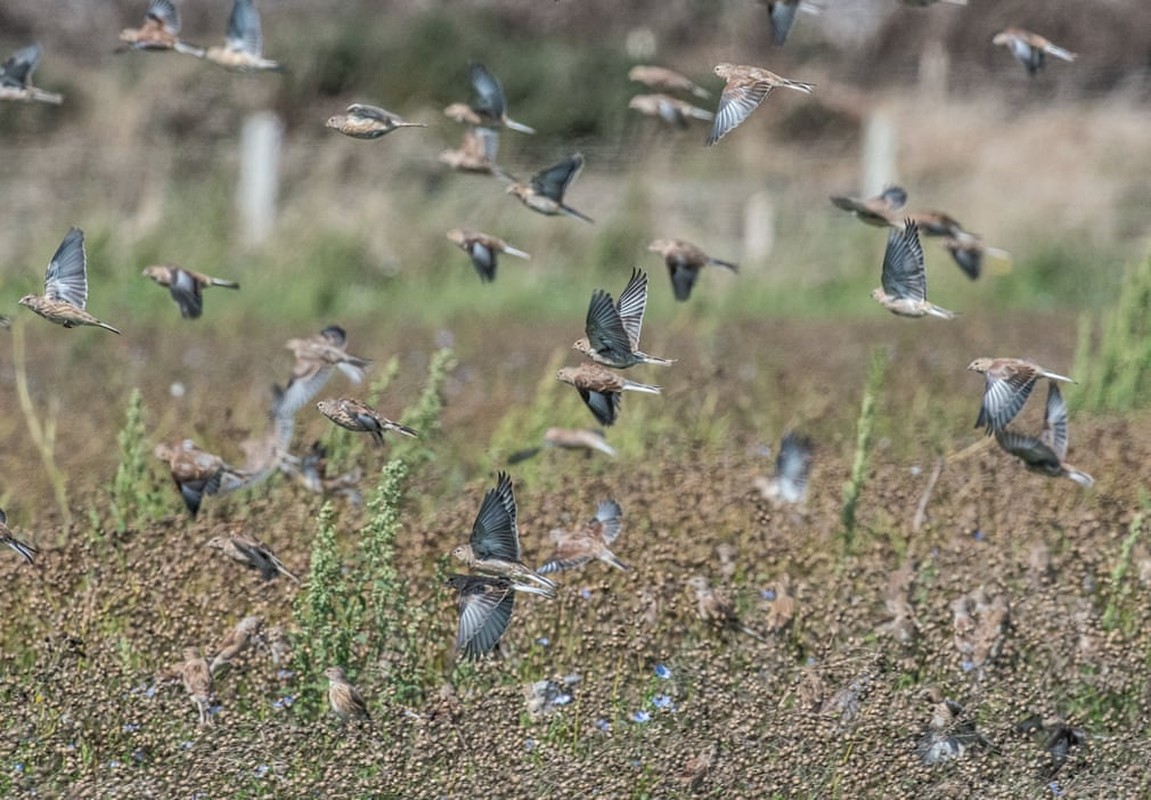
x=611 y=340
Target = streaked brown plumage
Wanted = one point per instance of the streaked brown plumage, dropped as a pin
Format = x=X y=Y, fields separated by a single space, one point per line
x=246 y=632
x=477 y=152
x=252 y=554
x=879 y=211
x=316 y=357
x=243 y=49
x=363 y=121
x=600 y=389
x=356 y=415
x=197 y=678
x=1008 y=385
x=483 y=250
x=344 y=698
x=544 y=193
x=159 y=31
x=25 y=550
x=66 y=287
x=663 y=79
x=588 y=542
x=684 y=261
x=612 y=330
x=197 y=472
x=185 y=286
x=1030 y=49
x=746 y=88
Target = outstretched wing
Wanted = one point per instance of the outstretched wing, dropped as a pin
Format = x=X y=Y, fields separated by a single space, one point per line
x=1055 y=421
x=244 y=29
x=494 y=533
x=735 y=105
x=16 y=71
x=604 y=327
x=67 y=276
x=904 y=276
x=486 y=606
x=488 y=99
x=165 y=13
x=554 y=181
x=632 y=304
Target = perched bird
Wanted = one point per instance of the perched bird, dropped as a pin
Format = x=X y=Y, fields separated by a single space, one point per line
x=345 y=699
x=1047 y=453
x=159 y=31
x=715 y=609
x=251 y=554
x=361 y=121
x=1030 y=49
x=545 y=192
x=66 y=287
x=243 y=49
x=485 y=607
x=25 y=550
x=236 y=642
x=494 y=546
x=968 y=251
x=880 y=211
x=664 y=79
x=613 y=329
x=488 y=107
x=483 y=249
x=569 y=439
x=197 y=472
x=197 y=679
x=279 y=645
x=355 y=415
x=746 y=88
x=792 y=468
x=904 y=289
x=316 y=357
x=1008 y=385
x=670 y=110
x=948 y=736
x=476 y=153
x=185 y=286
x=589 y=542
x=600 y=389
x=16 y=77
x=684 y=260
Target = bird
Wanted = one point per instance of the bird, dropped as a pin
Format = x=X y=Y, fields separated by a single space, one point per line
x=745 y=89
x=904 y=283
x=362 y=121
x=485 y=607
x=16 y=77
x=715 y=609
x=665 y=79
x=670 y=110
x=1046 y=454
x=1008 y=385
x=197 y=472
x=792 y=469
x=968 y=251
x=345 y=699
x=66 y=287
x=476 y=153
x=5 y=322
x=185 y=286
x=545 y=192
x=781 y=16
x=356 y=415
x=243 y=49
x=600 y=389
x=879 y=211
x=252 y=554
x=569 y=439
x=316 y=357
x=197 y=678
x=613 y=329
x=589 y=542
x=934 y=223
x=696 y=769
x=236 y=642
x=25 y=550
x=1030 y=49
x=483 y=250
x=684 y=260
x=159 y=31
x=488 y=107
x=494 y=545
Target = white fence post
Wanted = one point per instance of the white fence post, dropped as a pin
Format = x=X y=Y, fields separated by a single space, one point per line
x=260 y=141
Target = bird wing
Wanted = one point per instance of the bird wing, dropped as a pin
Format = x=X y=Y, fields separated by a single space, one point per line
x=185 y=290
x=1029 y=449
x=484 y=260
x=609 y=516
x=67 y=276
x=494 y=533
x=632 y=304
x=553 y=181
x=165 y=13
x=604 y=327
x=244 y=29
x=369 y=112
x=683 y=275
x=781 y=15
x=904 y=276
x=603 y=405
x=488 y=94
x=735 y=105
x=793 y=464
x=1055 y=422
x=16 y=71
x=486 y=606
x=572 y=550
x=1003 y=399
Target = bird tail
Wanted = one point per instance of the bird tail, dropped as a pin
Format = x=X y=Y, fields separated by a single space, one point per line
x=647 y=388
x=46 y=97
x=224 y=283
x=1080 y=477
x=1051 y=376
x=701 y=113
x=662 y=362
x=189 y=49
x=107 y=327
x=610 y=558
x=23 y=548
x=1059 y=52
x=539 y=591
x=699 y=91
x=715 y=262
x=571 y=212
x=353 y=368
x=518 y=126
x=403 y=430
x=512 y=251
x=799 y=86
x=942 y=313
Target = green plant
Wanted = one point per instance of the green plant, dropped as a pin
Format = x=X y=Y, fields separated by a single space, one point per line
x=135 y=499
x=424 y=416
x=863 y=436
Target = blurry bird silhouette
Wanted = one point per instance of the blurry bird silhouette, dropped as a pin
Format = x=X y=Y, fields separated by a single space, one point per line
x=185 y=286
x=684 y=261
x=483 y=251
x=545 y=192
x=1046 y=454
x=159 y=31
x=600 y=389
x=1030 y=49
x=16 y=78
x=588 y=542
x=243 y=49
x=25 y=550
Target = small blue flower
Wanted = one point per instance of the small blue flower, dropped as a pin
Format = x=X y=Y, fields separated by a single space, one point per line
x=18 y=766
x=283 y=702
x=967 y=665
x=663 y=701
x=767 y=594
x=139 y=755
x=978 y=535
x=214 y=710
x=662 y=671
x=113 y=764
x=543 y=641
x=603 y=725
x=187 y=744
x=1055 y=789
x=640 y=717
x=585 y=593
x=130 y=727
x=150 y=691
x=285 y=674
x=562 y=699
x=529 y=744
x=261 y=770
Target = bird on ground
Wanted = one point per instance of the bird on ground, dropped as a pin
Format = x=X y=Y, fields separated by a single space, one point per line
x=544 y=193
x=344 y=698
x=159 y=31
x=197 y=472
x=316 y=357
x=792 y=470
x=25 y=550
x=66 y=287
x=356 y=415
x=252 y=554
x=485 y=608
x=186 y=286
x=600 y=389
x=684 y=261
x=483 y=250
x=904 y=283
x=588 y=542
x=197 y=678
x=664 y=79
x=1008 y=385
x=488 y=107
x=745 y=89
x=362 y=121
x=715 y=609
x=880 y=211
x=670 y=110
x=16 y=77
x=1047 y=453
x=246 y=632
x=243 y=49
x=1030 y=49
x=613 y=329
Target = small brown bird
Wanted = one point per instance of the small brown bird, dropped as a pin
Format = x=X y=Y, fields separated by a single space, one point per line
x=66 y=287
x=935 y=223
x=545 y=192
x=696 y=769
x=25 y=550
x=316 y=357
x=476 y=153
x=489 y=104
x=1046 y=454
x=613 y=329
x=568 y=439
x=483 y=249
x=1030 y=49
x=669 y=110
x=243 y=49
x=252 y=554
x=16 y=77
x=494 y=545
x=684 y=260
x=345 y=699
x=715 y=609
x=589 y=542
x=664 y=79
x=746 y=88
x=159 y=31
x=197 y=472
x=600 y=389
x=197 y=679
x=1008 y=385
x=879 y=211
x=236 y=642
x=185 y=286
x=792 y=469
x=362 y=121
x=355 y=415
x=485 y=608
x=968 y=251
x=904 y=289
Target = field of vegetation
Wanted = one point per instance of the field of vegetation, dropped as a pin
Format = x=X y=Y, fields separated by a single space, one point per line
x=934 y=621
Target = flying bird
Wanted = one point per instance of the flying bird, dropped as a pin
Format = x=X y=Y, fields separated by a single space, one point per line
x=186 y=286
x=485 y=608
x=545 y=192
x=664 y=79
x=684 y=261
x=344 y=698
x=483 y=251
x=197 y=473
x=781 y=16
x=243 y=49
x=16 y=77
x=246 y=632
x=792 y=470
x=159 y=31
x=25 y=550
x=1030 y=49
x=476 y=153
x=968 y=251
x=569 y=439
x=613 y=329
x=316 y=357
x=589 y=542
x=1008 y=385
x=904 y=289
x=356 y=415
x=488 y=107
x=66 y=287
x=362 y=121
x=252 y=554
x=745 y=89
x=670 y=110
x=880 y=211
x=600 y=389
